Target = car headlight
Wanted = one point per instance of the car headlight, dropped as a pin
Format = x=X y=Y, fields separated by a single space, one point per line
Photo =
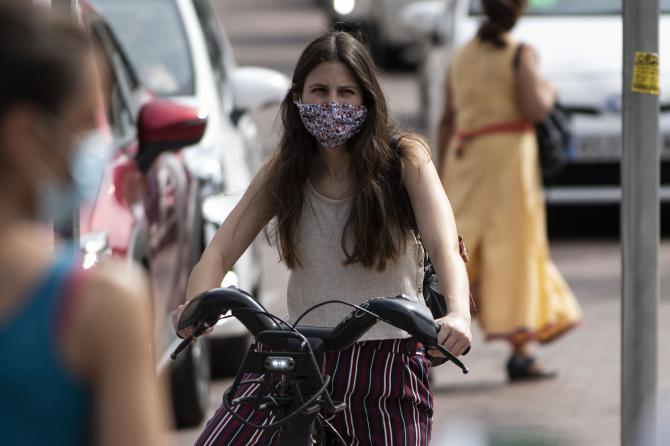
x=204 y=164
x=94 y=246
x=344 y=7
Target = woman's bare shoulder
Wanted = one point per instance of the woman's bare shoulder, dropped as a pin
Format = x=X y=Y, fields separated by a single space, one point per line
x=123 y=277
x=528 y=55
x=415 y=149
x=115 y=298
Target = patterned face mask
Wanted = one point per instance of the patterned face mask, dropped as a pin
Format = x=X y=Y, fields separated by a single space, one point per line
x=332 y=124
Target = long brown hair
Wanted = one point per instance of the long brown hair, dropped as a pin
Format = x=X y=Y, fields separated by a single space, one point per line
x=501 y=16
x=381 y=217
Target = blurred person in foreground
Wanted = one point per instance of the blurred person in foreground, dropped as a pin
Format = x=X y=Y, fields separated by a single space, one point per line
x=76 y=367
x=489 y=168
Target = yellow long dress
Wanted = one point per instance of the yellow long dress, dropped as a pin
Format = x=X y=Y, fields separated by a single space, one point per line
x=494 y=186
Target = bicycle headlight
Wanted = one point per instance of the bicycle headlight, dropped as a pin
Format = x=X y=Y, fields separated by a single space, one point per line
x=279 y=363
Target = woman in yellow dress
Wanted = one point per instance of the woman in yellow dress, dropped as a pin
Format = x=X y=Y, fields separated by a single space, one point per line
x=489 y=168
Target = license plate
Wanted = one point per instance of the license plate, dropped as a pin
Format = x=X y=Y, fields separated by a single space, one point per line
x=606 y=148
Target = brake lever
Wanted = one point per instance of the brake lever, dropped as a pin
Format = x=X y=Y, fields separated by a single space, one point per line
x=182 y=345
x=199 y=330
x=451 y=357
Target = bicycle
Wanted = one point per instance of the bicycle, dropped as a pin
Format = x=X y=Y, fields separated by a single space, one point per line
x=296 y=355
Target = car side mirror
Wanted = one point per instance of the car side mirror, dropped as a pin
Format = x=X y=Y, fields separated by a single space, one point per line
x=426 y=19
x=165 y=126
x=255 y=87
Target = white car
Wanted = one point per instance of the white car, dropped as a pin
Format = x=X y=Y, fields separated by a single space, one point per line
x=180 y=50
x=580 y=49
x=380 y=22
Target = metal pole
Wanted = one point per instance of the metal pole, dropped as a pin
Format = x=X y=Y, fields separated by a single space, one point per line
x=71 y=229
x=640 y=222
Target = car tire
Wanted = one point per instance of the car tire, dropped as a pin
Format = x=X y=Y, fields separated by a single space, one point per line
x=189 y=382
x=227 y=355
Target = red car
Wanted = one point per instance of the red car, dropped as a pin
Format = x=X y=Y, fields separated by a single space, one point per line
x=148 y=209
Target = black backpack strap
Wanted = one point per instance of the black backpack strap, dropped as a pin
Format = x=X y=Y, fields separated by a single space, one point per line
x=394 y=141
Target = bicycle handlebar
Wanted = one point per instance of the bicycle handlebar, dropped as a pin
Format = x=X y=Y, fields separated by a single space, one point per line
x=209 y=306
x=398 y=311
x=206 y=309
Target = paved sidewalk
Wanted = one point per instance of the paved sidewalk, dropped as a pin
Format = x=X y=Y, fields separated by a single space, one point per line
x=582 y=406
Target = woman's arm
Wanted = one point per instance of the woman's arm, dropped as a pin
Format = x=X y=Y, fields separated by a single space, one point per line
x=437 y=226
x=240 y=228
x=536 y=96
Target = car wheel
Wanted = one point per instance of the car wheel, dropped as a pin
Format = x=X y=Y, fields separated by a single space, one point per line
x=189 y=379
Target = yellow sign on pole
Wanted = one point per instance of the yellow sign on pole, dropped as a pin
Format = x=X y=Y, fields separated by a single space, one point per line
x=646 y=73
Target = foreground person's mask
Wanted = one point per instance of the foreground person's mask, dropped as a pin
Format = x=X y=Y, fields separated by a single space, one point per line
x=57 y=197
x=332 y=124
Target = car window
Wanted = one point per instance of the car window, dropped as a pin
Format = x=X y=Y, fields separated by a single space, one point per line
x=570 y=7
x=212 y=32
x=121 y=83
x=153 y=35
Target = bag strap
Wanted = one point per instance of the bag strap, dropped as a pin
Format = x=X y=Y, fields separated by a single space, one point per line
x=394 y=142
x=516 y=60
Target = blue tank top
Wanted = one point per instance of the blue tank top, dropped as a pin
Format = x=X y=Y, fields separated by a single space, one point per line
x=41 y=402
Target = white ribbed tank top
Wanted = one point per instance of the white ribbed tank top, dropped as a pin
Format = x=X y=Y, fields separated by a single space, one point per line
x=323 y=276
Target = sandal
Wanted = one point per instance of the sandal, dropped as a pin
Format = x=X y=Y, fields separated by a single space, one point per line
x=526 y=368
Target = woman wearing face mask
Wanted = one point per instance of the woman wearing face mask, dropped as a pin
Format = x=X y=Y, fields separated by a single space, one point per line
x=336 y=189
x=73 y=345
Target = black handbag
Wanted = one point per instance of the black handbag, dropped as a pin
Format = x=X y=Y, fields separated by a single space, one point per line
x=553 y=136
x=432 y=293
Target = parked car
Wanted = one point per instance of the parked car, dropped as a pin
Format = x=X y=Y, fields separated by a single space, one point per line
x=182 y=52
x=580 y=49
x=379 y=20
x=145 y=209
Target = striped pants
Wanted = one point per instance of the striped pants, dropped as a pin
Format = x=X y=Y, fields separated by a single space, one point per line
x=384 y=384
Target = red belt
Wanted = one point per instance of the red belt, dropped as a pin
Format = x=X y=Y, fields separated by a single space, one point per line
x=502 y=127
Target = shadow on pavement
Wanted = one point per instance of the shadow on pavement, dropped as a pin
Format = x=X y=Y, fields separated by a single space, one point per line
x=469 y=388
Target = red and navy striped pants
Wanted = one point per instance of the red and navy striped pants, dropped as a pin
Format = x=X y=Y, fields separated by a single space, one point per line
x=384 y=384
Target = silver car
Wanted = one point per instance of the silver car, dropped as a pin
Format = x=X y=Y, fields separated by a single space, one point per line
x=180 y=51
x=580 y=49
